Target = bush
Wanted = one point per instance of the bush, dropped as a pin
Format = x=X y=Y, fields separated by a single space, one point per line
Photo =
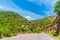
x=54 y=33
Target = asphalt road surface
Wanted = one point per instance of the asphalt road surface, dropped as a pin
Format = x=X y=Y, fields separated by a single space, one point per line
x=41 y=36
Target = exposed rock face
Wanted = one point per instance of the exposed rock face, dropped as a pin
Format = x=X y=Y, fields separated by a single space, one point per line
x=55 y=26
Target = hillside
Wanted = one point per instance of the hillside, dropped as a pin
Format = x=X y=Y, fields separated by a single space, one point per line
x=44 y=23
x=12 y=24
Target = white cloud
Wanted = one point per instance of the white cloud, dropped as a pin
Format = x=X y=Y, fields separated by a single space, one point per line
x=28 y=17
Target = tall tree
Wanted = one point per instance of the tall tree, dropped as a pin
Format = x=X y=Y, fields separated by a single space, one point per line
x=57 y=20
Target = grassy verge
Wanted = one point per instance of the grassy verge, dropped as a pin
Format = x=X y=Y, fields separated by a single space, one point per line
x=54 y=35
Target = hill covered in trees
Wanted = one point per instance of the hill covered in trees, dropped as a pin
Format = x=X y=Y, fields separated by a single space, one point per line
x=12 y=23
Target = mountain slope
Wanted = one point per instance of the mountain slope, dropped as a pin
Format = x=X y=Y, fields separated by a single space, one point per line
x=11 y=23
x=42 y=24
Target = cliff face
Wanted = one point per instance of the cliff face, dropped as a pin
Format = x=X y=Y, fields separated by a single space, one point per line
x=55 y=26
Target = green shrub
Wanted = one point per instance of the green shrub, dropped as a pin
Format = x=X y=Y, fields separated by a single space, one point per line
x=54 y=33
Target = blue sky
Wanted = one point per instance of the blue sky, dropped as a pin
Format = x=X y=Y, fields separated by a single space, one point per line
x=30 y=9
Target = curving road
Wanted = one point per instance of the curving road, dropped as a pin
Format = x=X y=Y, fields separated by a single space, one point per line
x=41 y=36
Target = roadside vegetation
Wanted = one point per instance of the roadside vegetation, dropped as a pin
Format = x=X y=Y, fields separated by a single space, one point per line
x=56 y=28
x=54 y=35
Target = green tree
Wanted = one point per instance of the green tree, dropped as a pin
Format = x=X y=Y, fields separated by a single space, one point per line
x=57 y=20
x=57 y=7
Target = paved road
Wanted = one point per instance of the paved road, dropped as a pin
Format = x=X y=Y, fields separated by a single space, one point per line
x=41 y=36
